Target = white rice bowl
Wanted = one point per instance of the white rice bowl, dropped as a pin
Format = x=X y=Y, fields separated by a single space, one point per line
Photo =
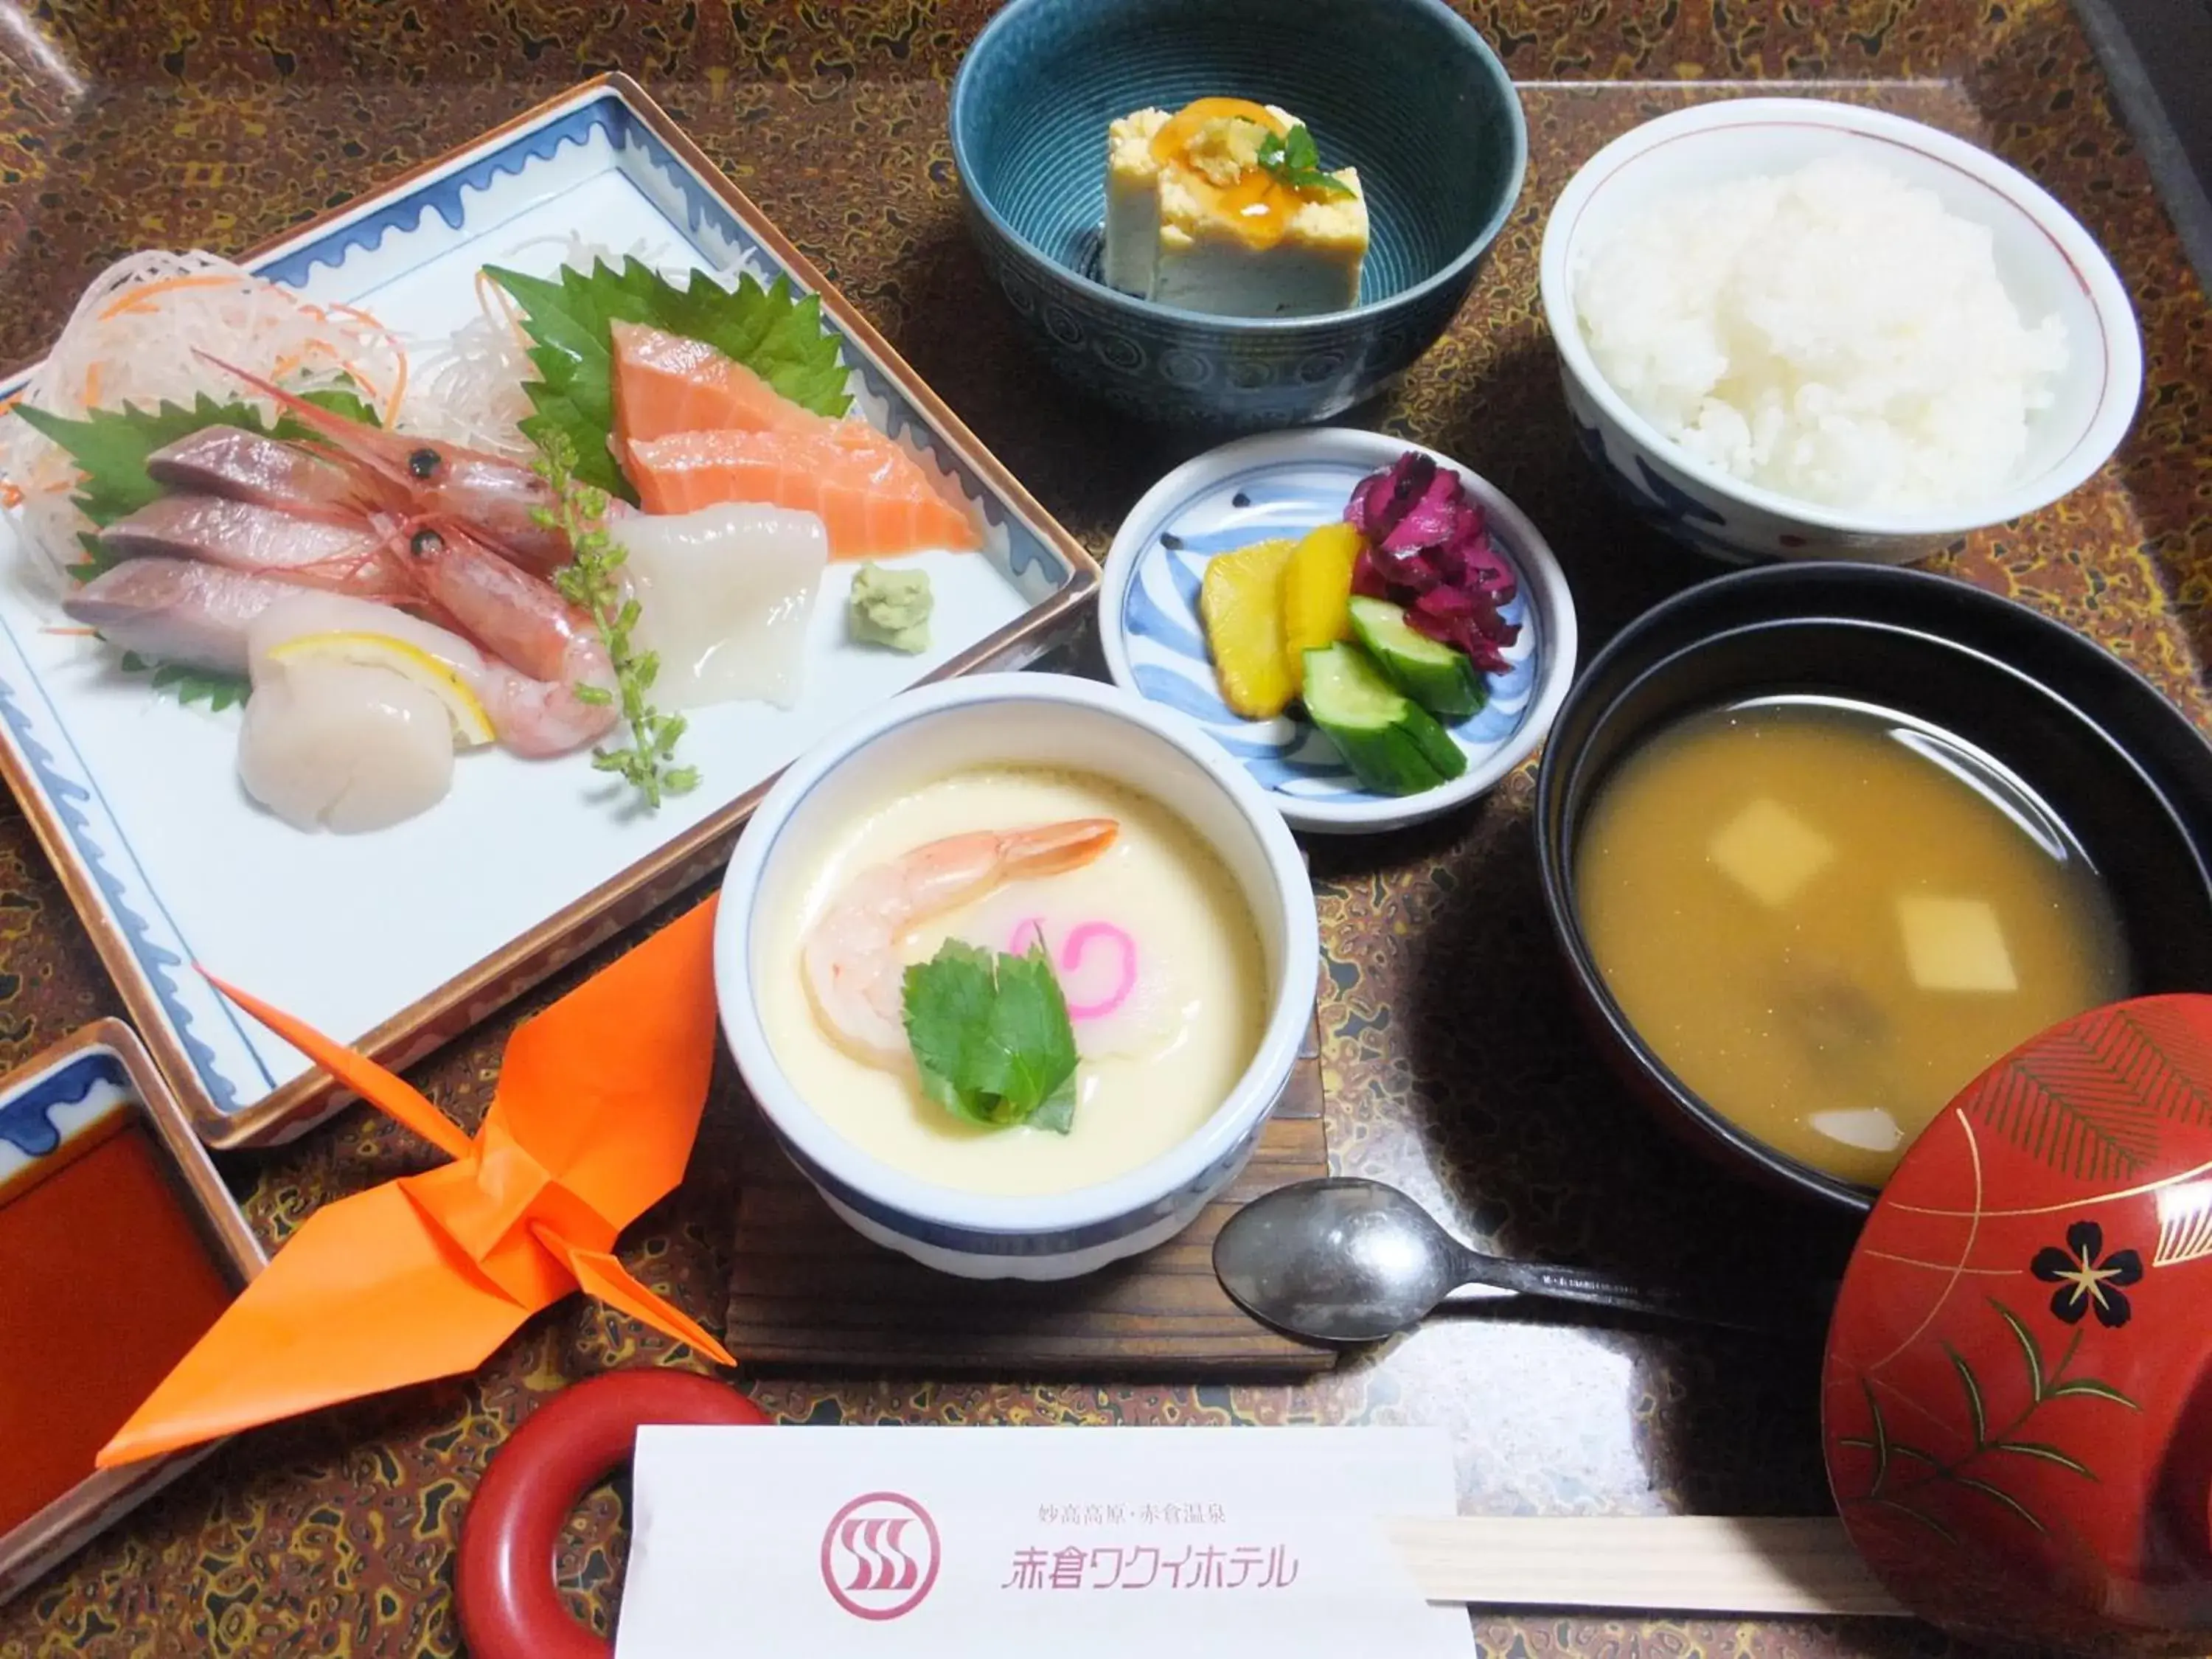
x=1832 y=333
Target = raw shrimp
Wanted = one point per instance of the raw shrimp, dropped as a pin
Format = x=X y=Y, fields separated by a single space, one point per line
x=508 y=611
x=524 y=622
x=419 y=478
x=852 y=954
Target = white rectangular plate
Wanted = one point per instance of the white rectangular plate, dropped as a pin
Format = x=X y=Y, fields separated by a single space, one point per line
x=395 y=941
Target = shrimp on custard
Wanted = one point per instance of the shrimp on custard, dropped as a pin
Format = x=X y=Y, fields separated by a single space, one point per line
x=851 y=955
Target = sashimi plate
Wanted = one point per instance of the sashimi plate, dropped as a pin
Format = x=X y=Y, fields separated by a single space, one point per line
x=397 y=940
x=1285 y=483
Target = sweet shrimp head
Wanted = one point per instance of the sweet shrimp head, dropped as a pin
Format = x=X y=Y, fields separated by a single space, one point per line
x=411 y=476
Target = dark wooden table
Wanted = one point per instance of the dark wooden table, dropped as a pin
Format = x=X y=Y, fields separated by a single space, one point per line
x=1451 y=1066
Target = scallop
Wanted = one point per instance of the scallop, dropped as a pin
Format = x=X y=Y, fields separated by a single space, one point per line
x=343 y=747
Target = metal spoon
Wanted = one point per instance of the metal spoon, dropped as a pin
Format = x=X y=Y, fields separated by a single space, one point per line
x=1350 y=1260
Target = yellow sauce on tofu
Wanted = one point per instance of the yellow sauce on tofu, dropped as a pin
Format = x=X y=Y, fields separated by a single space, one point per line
x=1257 y=203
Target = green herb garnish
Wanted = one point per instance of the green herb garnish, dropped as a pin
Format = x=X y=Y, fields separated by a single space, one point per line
x=592 y=579
x=991 y=1037
x=1294 y=159
x=770 y=330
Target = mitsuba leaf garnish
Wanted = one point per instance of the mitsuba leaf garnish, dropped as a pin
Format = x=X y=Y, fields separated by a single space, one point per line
x=771 y=331
x=1294 y=159
x=991 y=1037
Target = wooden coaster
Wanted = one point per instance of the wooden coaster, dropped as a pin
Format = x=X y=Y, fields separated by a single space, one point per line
x=806 y=1290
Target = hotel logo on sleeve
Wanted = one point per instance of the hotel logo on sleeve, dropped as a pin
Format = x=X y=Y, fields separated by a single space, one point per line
x=879 y=1556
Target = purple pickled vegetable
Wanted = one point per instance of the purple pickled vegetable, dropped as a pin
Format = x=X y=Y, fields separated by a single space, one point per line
x=1366 y=580
x=1430 y=520
x=1382 y=501
x=1408 y=570
x=1429 y=548
x=1451 y=564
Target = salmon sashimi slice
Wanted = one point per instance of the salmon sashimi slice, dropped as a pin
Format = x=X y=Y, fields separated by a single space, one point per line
x=870 y=495
x=665 y=384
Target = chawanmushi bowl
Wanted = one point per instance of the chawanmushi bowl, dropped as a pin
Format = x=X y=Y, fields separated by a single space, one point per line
x=1053 y=721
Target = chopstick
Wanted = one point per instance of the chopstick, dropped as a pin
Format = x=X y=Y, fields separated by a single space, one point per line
x=1673 y=1564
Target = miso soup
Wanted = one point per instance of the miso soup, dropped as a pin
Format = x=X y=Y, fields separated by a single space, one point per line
x=1827 y=918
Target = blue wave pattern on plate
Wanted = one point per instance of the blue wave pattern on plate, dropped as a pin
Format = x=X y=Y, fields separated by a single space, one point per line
x=1167 y=637
x=70 y=797
x=26 y=1121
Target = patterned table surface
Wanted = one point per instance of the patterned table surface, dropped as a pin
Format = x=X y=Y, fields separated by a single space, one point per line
x=124 y=126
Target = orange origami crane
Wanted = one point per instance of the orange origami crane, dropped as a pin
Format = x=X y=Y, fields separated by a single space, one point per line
x=596 y=1107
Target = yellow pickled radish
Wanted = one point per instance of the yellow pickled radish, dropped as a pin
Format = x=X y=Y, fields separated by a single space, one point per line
x=1318 y=594
x=1240 y=600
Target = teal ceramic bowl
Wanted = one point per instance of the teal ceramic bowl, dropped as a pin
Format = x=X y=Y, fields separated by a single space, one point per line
x=1405 y=90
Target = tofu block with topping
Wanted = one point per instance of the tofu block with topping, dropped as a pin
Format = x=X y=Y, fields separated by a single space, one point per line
x=1195 y=218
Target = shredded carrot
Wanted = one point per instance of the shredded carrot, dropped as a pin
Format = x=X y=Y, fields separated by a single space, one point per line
x=362 y=317
x=10 y=497
x=398 y=386
x=508 y=309
x=135 y=298
x=73 y=633
x=92 y=386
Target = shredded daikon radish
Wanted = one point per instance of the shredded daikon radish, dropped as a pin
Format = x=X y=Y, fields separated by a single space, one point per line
x=135 y=338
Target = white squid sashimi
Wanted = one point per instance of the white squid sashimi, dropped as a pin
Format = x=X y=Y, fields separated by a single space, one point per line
x=339 y=746
x=724 y=594
x=1122 y=998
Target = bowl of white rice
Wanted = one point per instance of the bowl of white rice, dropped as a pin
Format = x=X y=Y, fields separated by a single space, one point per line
x=1794 y=329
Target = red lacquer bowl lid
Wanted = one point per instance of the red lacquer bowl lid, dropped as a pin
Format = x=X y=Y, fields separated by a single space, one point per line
x=2016 y=1408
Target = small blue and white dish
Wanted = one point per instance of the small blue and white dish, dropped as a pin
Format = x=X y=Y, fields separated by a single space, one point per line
x=1285 y=483
x=1405 y=90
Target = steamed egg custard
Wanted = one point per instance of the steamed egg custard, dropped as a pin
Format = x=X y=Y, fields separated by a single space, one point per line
x=1827 y=919
x=1155 y=954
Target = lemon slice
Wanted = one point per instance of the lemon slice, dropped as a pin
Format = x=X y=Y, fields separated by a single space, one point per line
x=471 y=725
